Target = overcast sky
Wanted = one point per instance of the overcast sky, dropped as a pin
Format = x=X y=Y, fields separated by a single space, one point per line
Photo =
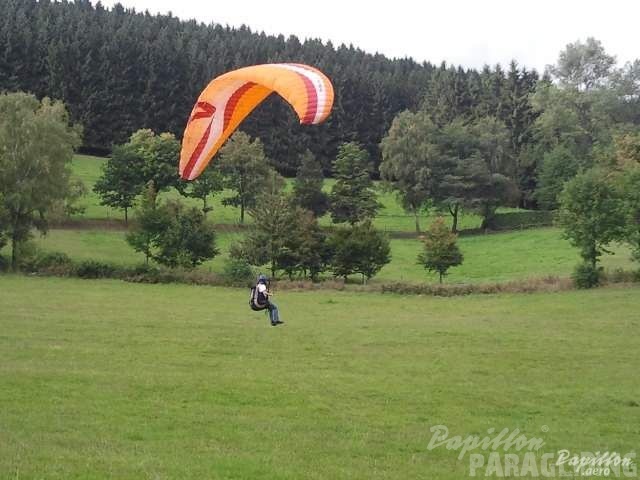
x=467 y=32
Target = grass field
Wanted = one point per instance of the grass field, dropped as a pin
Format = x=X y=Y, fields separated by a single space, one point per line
x=108 y=380
x=488 y=258
x=390 y=218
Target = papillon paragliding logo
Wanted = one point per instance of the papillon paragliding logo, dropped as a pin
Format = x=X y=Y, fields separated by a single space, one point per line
x=231 y=97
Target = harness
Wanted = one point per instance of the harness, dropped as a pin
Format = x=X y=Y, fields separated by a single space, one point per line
x=257 y=301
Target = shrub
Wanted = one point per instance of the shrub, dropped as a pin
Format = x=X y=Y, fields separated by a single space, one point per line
x=96 y=269
x=359 y=249
x=27 y=253
x=54 y=263
x=237 y=271
x=523 y=219
x=153 y=274
x=586 y=275
x=142 y=273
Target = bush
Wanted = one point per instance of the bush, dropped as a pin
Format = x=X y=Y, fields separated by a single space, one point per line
x=586 y=275
x=358 y=249
x=237 y=271
x=153 y=274
x=523 y=219
x=54 y=263
x=142 y=273
x=95 y=269
x=27 y=253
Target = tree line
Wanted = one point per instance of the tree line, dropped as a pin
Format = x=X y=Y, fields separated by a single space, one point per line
x=119 y=70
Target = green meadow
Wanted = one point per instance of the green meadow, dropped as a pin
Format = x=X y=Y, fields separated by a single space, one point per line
x=488 y=258
x=104 y=379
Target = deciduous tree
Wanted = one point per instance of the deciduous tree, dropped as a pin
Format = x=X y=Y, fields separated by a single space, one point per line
x=37 y=143
x=441 y=251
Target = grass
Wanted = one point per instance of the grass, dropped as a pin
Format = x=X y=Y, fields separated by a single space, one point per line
x=488 y=258
x=500 y=257
x=103 y=379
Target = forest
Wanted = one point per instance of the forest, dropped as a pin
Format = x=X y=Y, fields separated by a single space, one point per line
x=118 y=70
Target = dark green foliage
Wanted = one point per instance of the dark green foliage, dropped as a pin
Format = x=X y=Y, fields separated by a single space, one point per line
x=591 y=213
x=307 y=187
x=145 y=158
x=151 y=224
x=463 y=164
x=96 y=269
x=522 y=219
x=246 y=172
x=312 y=254
x=186 y=238
x=158 y=156
x=631 y=209
x=586 y=275
x=4 y=223
x=237 y=271
x=358 y=249
x=440 y=249
x=352 y=197
x=285 y=238
x=120 y=71
x=172 y=234
x=206 y=185
x=410 y=164
x=558 y=166
x=54 y=263
x=120 y=182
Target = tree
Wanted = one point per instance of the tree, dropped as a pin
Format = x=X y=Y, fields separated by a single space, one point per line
x=358 y=249
x=591 y=214
x=558 y=166
x=583 y=66
x=475 y=168
x=286 y=238
x=3 y=223
x=493 y=175
x=145 y=158
x=63 y=209
x=440 y=249
x=576 y=120
x=158 y=156
x=628 y=150
x=36 y=147
x=352 y=196
x=151 y=223
x=631 y=209
x=269 y=241
x=207 y=184
x=307 y=187
x=121 y=180
x=245 y=169
x=187 y=239
x=409 y=159
x=312 y=251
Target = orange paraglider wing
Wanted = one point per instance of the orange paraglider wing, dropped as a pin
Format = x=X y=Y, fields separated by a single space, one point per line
x=229 y=98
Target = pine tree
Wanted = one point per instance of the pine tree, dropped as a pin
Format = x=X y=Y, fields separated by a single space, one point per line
x=307 y=187
x=352 y=197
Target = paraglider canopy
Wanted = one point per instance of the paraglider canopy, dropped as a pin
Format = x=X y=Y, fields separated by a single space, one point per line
x=229 y=98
